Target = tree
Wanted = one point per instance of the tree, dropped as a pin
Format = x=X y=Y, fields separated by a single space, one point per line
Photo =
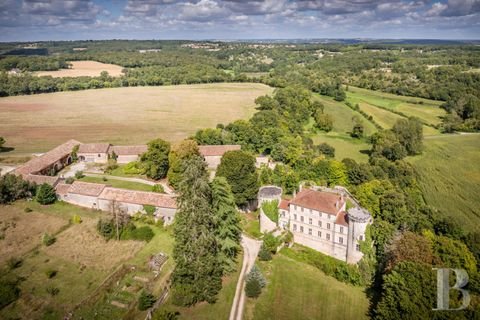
x=411 y=247
x=198 y=271
x=46 y=194
x=326 y=149
x=2 y=142
x=155 y=160
x=323 y=121
x=13 y=187
x=238 y=167
x=254 y=282
x=227 y=222
x=409 y=133
x=179 y=154
x=358 y=129
x=386 y=144
x=337 y=174
x=145 y=300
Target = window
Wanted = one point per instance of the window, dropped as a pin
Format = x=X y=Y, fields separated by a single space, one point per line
x=302 y=209
x=310 y=231
x=294 y=217
x=320 y=224
x=319 y=234
x=360 y=238
x=357 y=247
x=341 y=229
x=294 y=227
x=310 y=211
x=301 y=229
x=328 y=236
x=283 y=214
x=340 y=239
x=301 y=218
x=310 y=221
x=99 y=155
x=295 y=206
x=328 y=226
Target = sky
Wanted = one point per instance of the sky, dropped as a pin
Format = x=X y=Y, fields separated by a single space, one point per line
x=36 y=20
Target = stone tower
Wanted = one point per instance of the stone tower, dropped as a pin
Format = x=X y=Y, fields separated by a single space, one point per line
x=358 y=219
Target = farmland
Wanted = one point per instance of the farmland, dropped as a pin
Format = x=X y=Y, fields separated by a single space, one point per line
x=296 y=290
x=84 y=69
x=82 y=261
x=449 y=177
x=122 y=115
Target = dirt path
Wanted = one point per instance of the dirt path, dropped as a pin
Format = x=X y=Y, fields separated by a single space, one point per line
x=167 y=189
x=251 y=247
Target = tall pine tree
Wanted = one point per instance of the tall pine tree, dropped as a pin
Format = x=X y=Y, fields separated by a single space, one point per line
x=227 y=220
x=198 y=271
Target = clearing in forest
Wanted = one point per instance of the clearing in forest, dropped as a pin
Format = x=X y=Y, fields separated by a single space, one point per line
x=84 y=69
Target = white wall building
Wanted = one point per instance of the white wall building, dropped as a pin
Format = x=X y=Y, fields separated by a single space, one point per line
x=93 y=152
x=213 y=153
x=319 y=220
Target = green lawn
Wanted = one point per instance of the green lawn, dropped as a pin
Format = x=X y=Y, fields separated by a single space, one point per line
x=296 y=290
x=345 y=146
x=449 y=177
x=250 y=224
x=120 y=173
x=119 y=183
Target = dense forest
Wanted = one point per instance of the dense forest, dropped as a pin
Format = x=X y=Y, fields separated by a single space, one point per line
x=448 y=73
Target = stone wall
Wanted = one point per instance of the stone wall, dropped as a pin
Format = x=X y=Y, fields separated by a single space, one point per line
x=127 y=158
x=266 y=225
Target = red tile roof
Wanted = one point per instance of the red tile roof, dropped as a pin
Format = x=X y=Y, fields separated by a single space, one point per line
x=129 y=150
x=62 y=188
x=139 y=197
x=39 y=179
x=94 y=148
x=341 y=219
x=38 y=164
x=283 y=205
x=87 y=188
x=321 y=201
x=207 y=151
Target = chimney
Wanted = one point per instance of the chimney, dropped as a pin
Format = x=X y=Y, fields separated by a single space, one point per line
x=294 y=193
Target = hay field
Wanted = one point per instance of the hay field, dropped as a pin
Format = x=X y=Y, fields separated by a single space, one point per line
x=122 y=115
x=84 y=69
x=22 y=231
x=449 y=177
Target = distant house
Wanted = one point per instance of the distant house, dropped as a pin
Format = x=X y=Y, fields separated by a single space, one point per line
x=94 y=152
x=103 y=197
x=126 y=154
x=213 y=153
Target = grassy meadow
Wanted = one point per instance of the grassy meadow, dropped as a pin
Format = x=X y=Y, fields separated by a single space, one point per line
x=449 y=177
x=82 y=259
x=133 y=115
x=297 y=290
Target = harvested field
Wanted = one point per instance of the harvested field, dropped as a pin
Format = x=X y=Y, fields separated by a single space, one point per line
x=84 y=69
x=23 y=231
x=83 y=245
x=122 y=115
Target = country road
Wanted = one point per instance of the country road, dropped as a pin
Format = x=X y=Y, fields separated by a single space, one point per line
x=251 y=247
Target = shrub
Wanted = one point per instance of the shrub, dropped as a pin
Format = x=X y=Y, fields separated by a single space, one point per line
x=104 y=179
x=13 y=187
x=69 y=180
x=76 y=219
x=270 y=242
x=46 y=194
x=9 y=292
x=48 y=239
x=255 y=281
x=14 y=263
x=158 y=188
x=50 y=273
x=106 y=228
x=264 y=254
x=145 y=300
x=166 y=315
x=53 y=291
x=79 y=174
x=144 y=233
x=149 y=209
x=27 y=210
x=133 y=168
x=112 y=165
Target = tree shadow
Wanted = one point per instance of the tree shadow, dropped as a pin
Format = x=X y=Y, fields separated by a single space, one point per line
x=6 y=149
x=367 y=152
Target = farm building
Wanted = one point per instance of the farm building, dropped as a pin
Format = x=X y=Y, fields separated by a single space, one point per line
x=48 y=164
x=126 y=154
x=213 y=153
x=93 y=152
x=319 y=219
x=103 y=197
